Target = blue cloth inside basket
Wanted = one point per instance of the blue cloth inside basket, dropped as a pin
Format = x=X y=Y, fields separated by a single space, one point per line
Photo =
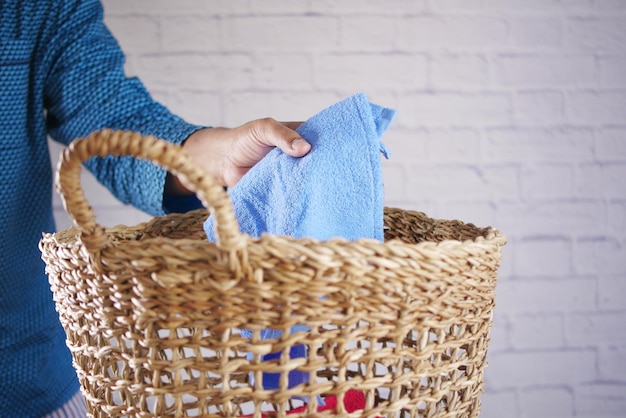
x=334 y=191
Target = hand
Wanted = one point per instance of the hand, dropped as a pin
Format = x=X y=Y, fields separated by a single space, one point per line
x=228 y=153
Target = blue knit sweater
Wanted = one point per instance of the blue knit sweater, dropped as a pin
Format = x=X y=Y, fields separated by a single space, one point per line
x=61 y=74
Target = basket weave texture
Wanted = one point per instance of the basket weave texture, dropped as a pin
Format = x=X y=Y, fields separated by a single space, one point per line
x=153 y=312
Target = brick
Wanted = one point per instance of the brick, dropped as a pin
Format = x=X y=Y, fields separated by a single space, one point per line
x=532 y=145
x=595 y=329
x=616 y=219
x=283 y=71
x=367 y=33
x=278 y=7
x=190 y=34
x=362 y=7
x=170 y=8
x=604 y=33
x=600 y=400
x=547 y=403
x=499 y=404
x=539 y=107
x=193 y=71
x=547 y=182
x=407 y=145
x=459 y=71
x=396 y=72
x=547 y=296
x=543 y=258
x=610 y=5
x=199 y=107
x=442 y=109
x=536 y=33
x=540 y=368
x=295 y=34
x=531 y=332
x=454 y=145
x=240 y=107
x=604 y=180
x=453 y=33
x=611 y=143
x=394 y=179
x=551 y=218
x=596 y=107
x=611 y=364
x=457 y=182
x=512 y=7
x=499 y=334
x=611 y=70
x=599 y=256
x=135 y=33
x=545 y=69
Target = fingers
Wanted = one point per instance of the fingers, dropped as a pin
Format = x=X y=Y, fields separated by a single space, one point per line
x=282 y=135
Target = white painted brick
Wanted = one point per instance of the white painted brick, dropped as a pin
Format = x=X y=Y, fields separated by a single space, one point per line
x=536 y=33
x=600 y=400
x=602 y=180
x=372 y=72
x=610 y=5
x=596 y=107
x=547 y=181
x=612 y=70
x=552 y=218
x=611 y=143
x=135 y=33
x=464 y=182
x=454 y=109
x=499 y=404
x=453 y=145
x=351 y=7
x=616 y=219
x=407 y=145
x=459 y=71
x=547 y=403
x=539 y=107
x=452 y=32
x=547 y=296
x=512 y=7
x=599 y=256
x=177 y=8
x=283 y=71
x=274 y=33
x=279 y=6
x=530 y=332
x=611 y=364
x=499 y=334
x=196 y=71
x=394 y=181
x=611 y=292
x=543 y=258
x=540 y=368
x=199 y=107
x=546 y=70
x=367 y=33
x=240 y=107
x=550 y=145
x=594 y=329
x=190 y=34
x=597 y=34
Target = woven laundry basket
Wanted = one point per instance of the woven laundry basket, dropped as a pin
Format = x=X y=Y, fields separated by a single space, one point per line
x=153 y=312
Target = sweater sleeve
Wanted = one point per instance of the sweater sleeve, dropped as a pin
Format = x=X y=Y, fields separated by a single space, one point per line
x=86 y=90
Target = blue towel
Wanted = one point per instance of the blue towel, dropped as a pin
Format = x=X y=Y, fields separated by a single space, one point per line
x=334 y=191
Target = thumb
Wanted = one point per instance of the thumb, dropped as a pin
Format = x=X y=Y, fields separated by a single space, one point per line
x=282 y=136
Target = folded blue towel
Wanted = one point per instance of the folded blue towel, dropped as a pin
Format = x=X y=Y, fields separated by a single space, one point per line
x=334 y=191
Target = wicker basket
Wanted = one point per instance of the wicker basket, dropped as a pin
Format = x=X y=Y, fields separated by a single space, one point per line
x=153 y=312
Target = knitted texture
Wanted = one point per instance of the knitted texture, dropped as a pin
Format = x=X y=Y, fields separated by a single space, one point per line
x=61 y=73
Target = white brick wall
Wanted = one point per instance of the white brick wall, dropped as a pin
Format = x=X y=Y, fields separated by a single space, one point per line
x=512 y=113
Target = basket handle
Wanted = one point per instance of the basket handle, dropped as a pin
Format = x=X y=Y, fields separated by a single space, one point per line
x=164 y=154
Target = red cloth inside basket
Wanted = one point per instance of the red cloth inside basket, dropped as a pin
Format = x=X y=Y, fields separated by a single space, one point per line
x=353 y=400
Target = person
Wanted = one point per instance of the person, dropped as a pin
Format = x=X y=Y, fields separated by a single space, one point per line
x=61 y=74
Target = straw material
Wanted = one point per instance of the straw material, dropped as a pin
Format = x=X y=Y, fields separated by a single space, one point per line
x=153 y=312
